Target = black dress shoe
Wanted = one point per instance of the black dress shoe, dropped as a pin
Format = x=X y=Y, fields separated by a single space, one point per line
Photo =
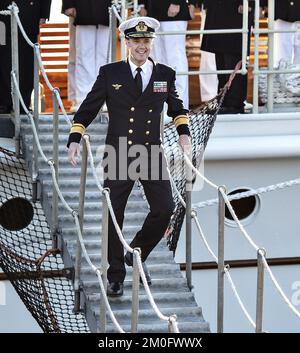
x=115 y=289
x=129 y=262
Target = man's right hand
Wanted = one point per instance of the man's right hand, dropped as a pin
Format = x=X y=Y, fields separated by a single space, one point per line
x=73 y=153
x=173 y=10
x=71 y=12
x=142 y=11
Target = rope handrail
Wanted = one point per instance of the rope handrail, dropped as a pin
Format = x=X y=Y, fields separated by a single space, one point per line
x=5 y=12
x=15 y=12
x=226 y=269
x=266 y=265
x=248 y=238
x=261 y=190
x=281 y=292
x=233 y=287
x=115 y=10
x=37 y=52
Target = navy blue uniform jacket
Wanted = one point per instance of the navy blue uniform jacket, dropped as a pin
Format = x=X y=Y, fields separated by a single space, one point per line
x=130 y=115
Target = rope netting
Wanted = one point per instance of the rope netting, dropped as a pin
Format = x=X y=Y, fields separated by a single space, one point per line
x=33 y=266
x=201 y=122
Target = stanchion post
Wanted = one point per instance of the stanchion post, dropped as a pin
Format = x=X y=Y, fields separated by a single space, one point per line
x=260 y=290
x=15 y=70
x=77 y=281
x=104 y=262
x=221 y=231
x=36 y=87
x=113 y=26
x=188 y=220
x=54 y=226
x=135 y=291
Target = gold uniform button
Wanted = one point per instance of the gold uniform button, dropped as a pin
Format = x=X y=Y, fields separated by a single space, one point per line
x=150 y=110
x=147 y=132
x=129 y=142
x=132 y=109
x=131 y=120
x=149 y=122
x=147 y=143
x=130 y=131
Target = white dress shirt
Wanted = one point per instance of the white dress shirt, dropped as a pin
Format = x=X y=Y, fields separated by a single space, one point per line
x=146 y=72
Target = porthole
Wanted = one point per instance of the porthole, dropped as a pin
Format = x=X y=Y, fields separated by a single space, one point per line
x=245 y=208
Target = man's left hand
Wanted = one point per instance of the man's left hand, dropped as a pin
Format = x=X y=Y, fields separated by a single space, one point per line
x=42 y=21
x=192 y=11
x=185 y=144
x=173 y=10
x=241 y=9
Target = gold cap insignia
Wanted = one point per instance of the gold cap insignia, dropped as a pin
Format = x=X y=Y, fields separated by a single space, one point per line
x=141 y=27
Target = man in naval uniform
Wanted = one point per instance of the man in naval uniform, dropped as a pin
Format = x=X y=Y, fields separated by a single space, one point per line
x=135 y=91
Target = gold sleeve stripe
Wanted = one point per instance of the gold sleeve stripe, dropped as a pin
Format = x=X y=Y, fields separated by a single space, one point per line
x=181 y=121
x=79 y=129
x=180 y=116
x=77 y=124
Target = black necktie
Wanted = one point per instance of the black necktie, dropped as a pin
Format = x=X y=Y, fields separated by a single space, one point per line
x=138 y=81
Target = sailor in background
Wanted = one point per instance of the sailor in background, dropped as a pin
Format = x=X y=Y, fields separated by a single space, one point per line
x=135 y=91
x=208 y=83
x=228 y=14
x=72 y=64
x=91 y=20
x=170 y=49
x=32 y=13
x=287 y=17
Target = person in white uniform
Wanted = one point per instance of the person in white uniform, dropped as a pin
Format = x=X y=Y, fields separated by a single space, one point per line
x=72 y=63
x=91 y=20
x=208 y=83
x=170 y=49
x=287 y=45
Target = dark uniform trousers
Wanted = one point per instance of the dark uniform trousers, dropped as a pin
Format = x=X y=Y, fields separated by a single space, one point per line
x=159 y=197
x=224 y=14
x=25 y=70
x=237 y=93
x=136 y=118
x=30 y=13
